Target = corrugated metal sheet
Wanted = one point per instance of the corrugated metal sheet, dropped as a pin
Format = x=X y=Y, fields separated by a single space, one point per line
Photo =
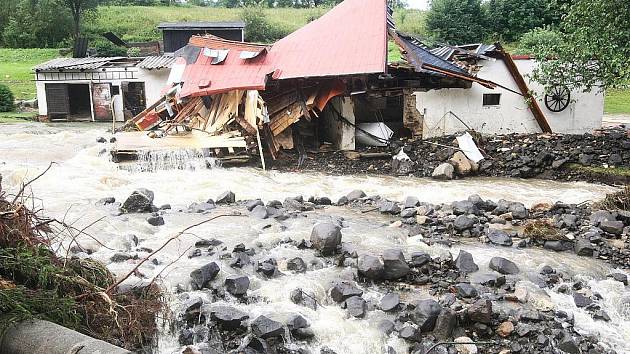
x=418 y=54
x=156 y=62
x=75 y=63
x=349 y=39
x=200 y=25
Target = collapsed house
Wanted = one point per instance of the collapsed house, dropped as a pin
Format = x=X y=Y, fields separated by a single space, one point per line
x=512 y=109
x=327 y=85
x=99 y=88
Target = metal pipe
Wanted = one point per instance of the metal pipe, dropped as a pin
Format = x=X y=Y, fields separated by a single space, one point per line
x=43 y=337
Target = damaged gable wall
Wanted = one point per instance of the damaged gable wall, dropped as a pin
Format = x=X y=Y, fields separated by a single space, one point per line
x=512 y=115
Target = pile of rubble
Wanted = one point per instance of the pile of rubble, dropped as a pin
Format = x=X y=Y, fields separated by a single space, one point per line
x=515 y=155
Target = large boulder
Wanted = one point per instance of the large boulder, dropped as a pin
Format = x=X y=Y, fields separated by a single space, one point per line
x=462 y=165
x=237 y=285
x=480 y=311
x=228 y=317
x=425 y=314
x=200 y=278
x=443 y=172
x=325 y=237
x=612 y=227
x=354 y=195
x=140 y=201
x=344 y=290
x=503 y=266
x=265 y=327
x=356 y=306
x=463 y=222
x=465 y=262
x=226 y=197
x=394 y=263
x=518 y=210
x=370 y=267
x=499 y=237
x=445 y=324
x=390 y=302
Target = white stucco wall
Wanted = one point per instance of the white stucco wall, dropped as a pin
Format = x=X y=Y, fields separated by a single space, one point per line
x=512 y=115
x=154 y=82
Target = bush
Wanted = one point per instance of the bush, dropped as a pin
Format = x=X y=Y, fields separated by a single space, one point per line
x=108 y=49
x=6 y=99
x=536 y=39
x=258 y=28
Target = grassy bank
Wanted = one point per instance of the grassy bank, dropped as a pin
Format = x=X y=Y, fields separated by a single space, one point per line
x=13 y=117
x=16 y=69
x=617 y=102
x=139 y=23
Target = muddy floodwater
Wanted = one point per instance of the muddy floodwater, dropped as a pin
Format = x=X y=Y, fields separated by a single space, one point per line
x=83 y=174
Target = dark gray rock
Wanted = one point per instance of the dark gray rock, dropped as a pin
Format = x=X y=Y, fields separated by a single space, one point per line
x=601 y=215
x=466 y=290
x=228 y=317
x=297 y=321
x=213 y=242
x=464 y=207
x=237 y=285
x=418 y=259
x=356 y=306
x=251 y=204
x=267 y=267
x=390 y=302
x=620 y=277
x=325 y=237
x=240 y=260
x=581 y=300
x=260 y=212
x=518 y=211
x=344 y=290
x=155 y=220
x=568 y=345
x=465 y=262
x=445 y=324
x=323 y=201
x=200 y=207
x=410 y=333
x=411 y=202
x=443 y=172
x=463 y=222
x=394 y=264
x=106 y=200
x=559 y=245
x=297 y=265
x=226 y=197
x=499 y=237
x=612 y=227
x=389 y=207
x=385 y=326
x=354 y=195
x=490 y=279
x=425 y=314
x=343 y=201
x=480 y=311
x=299 y=297
x=202 y=276
x=370 y=267
x=120 y=257
x=584 y=248
x=408 y=213
x=503 y=266
x=140 y=201
x=265 y=327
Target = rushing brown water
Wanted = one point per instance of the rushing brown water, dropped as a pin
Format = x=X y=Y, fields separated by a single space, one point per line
x=83 y=174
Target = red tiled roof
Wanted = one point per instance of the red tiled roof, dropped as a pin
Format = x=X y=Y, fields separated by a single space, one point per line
x=349 y=39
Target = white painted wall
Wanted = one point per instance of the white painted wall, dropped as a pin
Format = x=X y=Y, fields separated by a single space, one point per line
x=512 y=115
x=154 y=83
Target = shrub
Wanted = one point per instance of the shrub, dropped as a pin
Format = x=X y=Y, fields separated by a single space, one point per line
x=6 y=99
x=107 y=49
x=258 y=28
x=532 y=41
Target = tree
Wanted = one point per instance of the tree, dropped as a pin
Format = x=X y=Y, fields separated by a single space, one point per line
x=509 y=19
x=78 y=9
x=593 y=50
x=36 y=24
x=531 y=41
x=456 y=21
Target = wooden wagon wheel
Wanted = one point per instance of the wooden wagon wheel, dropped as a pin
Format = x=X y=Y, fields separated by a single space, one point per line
x=557 y=98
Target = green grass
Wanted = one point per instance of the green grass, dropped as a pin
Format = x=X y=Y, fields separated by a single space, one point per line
x=13 y=117
x=611 y=171
x=16 y=69
x=617 y=102
x=139 y=23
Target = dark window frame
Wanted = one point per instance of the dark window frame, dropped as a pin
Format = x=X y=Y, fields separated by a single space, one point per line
x=491 y=99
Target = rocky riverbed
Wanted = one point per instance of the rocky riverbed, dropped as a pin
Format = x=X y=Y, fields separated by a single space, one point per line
x=386 y=273
x=559 y=157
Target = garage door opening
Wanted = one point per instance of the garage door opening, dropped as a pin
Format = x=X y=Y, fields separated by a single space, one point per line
x=79 y=102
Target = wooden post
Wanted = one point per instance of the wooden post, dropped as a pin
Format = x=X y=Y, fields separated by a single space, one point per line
x=260 y=149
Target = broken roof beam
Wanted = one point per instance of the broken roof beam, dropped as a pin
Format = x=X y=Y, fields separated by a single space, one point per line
x=522 y=86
